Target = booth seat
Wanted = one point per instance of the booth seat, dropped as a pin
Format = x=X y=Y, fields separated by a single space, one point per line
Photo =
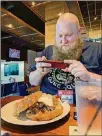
x=14 y=89
x=18 y=89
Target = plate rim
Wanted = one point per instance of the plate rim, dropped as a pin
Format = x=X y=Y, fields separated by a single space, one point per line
x=44 y=122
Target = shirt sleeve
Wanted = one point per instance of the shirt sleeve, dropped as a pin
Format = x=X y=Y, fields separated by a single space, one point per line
x=100 y=59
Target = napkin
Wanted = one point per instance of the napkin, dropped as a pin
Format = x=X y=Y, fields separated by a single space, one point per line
x=73 y=130
x=5 y=133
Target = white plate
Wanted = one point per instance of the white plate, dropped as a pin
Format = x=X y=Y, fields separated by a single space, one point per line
x=7 y=115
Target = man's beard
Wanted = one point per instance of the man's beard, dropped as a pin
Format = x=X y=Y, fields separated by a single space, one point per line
x=72 y=52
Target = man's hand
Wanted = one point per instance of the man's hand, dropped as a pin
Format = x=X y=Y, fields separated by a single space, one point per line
x=42 y=67
x=77 y=69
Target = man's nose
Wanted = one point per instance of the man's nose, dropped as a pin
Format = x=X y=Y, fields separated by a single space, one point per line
x=64 y=40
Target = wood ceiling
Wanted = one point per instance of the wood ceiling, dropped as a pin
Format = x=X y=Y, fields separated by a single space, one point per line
x=15 y=24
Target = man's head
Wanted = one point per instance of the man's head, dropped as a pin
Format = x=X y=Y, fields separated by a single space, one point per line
x=67 y=34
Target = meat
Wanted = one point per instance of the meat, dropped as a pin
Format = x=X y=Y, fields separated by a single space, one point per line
x=39 y=106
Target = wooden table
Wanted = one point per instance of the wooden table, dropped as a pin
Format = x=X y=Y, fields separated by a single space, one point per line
x=60 y=127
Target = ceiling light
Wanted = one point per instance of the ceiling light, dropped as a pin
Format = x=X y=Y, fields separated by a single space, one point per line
x=95 y=18
x=9 y=26
x=6 y=37
x=33 y=3
x=59 y=14
x=3 y=15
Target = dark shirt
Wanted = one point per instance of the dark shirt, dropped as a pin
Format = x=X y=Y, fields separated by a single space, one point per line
x=55 y=80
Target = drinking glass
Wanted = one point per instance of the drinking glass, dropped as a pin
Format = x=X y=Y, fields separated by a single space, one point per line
x=89 y=107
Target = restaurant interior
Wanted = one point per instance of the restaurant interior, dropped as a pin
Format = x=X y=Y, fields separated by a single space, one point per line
x=27 y=28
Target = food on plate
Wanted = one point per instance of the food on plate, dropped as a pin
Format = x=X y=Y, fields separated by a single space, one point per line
x=44 y=107
x=26 y=102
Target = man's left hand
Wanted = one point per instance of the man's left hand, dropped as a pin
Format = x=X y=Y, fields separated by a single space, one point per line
x=77 y=69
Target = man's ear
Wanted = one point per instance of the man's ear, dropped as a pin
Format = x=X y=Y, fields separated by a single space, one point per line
x=79 y=32
x=80 y=29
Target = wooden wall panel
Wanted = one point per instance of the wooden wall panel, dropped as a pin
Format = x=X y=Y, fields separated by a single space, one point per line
x=50 y=33
x=94 y=34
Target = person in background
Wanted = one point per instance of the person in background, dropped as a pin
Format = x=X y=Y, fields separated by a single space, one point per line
x=84 y=59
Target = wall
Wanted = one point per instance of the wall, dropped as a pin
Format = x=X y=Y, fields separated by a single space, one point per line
x=95 y=34
x=50 y=33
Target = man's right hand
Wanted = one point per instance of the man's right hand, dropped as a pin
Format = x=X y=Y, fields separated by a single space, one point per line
x=41 y=66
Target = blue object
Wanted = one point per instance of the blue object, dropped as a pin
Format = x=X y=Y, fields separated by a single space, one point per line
x=22 y=90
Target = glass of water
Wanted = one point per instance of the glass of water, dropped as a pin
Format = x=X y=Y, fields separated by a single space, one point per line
x=89 y=107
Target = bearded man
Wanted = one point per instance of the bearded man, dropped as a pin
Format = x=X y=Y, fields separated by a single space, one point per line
x=84 y=59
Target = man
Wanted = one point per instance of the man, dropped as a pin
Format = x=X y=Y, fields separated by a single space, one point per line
x=84 y=59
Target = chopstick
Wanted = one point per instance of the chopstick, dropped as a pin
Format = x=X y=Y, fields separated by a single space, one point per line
x=93 y=119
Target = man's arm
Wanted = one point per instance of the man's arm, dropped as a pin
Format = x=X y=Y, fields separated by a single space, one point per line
x=38 y=71
x=42 y=69
x=35 y=78
x=78 y=70
x=94 y=77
